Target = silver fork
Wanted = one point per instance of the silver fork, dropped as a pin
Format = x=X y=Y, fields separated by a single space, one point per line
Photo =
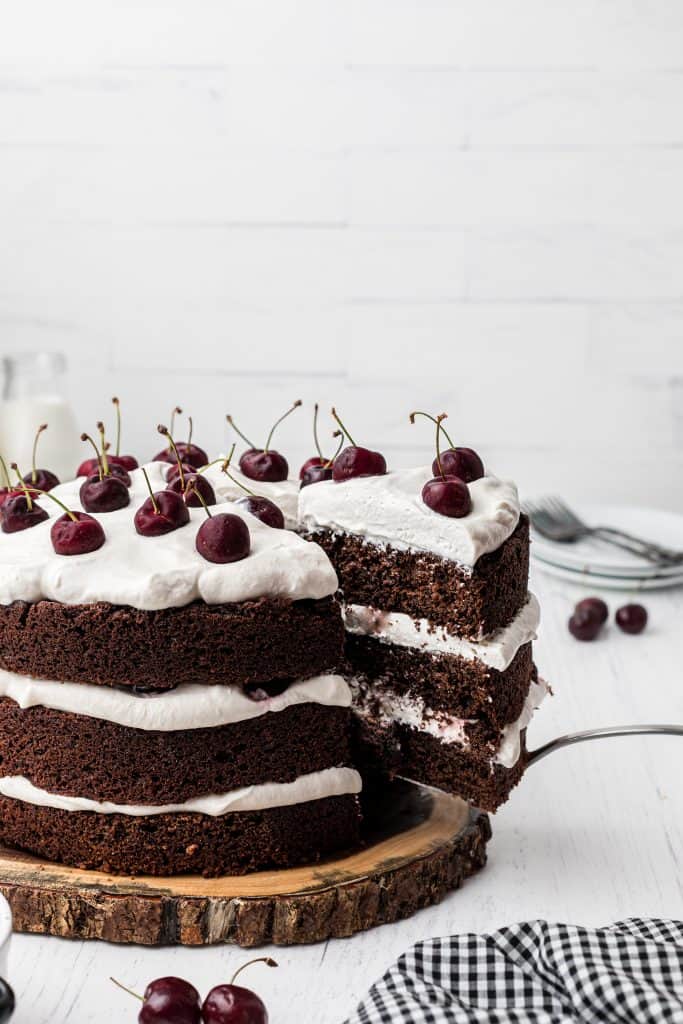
x=599 y=734
x=553 y=519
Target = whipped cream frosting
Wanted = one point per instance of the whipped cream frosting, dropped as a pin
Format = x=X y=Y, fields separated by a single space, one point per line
x=388 y=510
x=284 y=493
x=150 y=573
x=316 y=786
x=402 y=709
x=497 y=650
x=190 y=706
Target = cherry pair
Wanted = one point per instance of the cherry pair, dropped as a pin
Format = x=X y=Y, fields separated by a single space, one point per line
x=591 y=614
x=175 y=1001
x=447 y=493
x=73 y=533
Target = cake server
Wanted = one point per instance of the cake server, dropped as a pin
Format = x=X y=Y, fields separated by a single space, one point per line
x=599 y=734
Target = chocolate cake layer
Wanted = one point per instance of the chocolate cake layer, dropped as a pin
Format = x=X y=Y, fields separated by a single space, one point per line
x=169 y=844
x=402 y=750
x=469 y=603
x=250 y=642
x=74 y=755
x=461 y=687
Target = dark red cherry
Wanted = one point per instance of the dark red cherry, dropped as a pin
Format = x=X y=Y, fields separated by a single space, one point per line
x=170 y=1001
x=461 y=462
x=233 y=1004
x=119 y=465
x=584 y=625
x=596 y=607
x=631 y=618
x=314 y=474
x=355 y=461
x=223 y=538
x=105 y=495
x=173 y=471
x=449 y=496
x=76 y=536
x=268 y=466
x=190 y=454
x=264 y=509
x=193 y=482
x=169 y=514
x=16 y=514
x=44 y=480
x=315 y=460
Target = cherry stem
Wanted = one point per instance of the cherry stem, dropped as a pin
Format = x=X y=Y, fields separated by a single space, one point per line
x=224 y=469
x=189 y=436
x=433 y=419
x=278 y=422
x=34 y=474
x=177 y=410
x=439 y=428
x=5 y=474
x=344 y=430
x=239 y=432
x=117 y=406
x=128 y=990
x=103 y=445
x=87 y=437
x=213 y=462
x=259 y=960
x=46 y=494
x=315 y=431
x=166 y=433
x=340 y=435
x=22 y=485
x=151 y=492
x=192 y=487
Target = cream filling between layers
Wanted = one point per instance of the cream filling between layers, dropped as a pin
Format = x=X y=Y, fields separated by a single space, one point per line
x=497 y=651
x=190 y=706
x=399 y=709
x=315 y=786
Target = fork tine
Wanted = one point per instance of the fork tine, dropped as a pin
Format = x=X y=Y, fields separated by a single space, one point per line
x=566 y=513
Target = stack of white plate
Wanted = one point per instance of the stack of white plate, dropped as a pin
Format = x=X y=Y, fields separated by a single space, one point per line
x=594 y=561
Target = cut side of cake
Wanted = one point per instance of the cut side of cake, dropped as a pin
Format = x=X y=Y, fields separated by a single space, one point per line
x=161 y=713
x=439 y=628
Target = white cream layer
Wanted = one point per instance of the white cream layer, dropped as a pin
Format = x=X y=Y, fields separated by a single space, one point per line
x=285 y=493
x=389 y=510
x=190 y=706
x=412 y=711
x=497 y=651
x=316 y=786
x=157 y=572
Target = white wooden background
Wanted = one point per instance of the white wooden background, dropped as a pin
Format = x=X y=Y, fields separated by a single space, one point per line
x=464 y=204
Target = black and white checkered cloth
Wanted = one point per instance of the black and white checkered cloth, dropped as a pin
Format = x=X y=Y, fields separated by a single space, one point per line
x=537 y=973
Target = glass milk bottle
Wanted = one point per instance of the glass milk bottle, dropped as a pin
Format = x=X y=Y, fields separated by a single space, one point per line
x=32 y=395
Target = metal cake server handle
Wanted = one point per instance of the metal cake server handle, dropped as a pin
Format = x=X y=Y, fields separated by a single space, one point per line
x=599 y=734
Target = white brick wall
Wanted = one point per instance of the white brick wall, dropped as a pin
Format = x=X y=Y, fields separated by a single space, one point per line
x=464 y=204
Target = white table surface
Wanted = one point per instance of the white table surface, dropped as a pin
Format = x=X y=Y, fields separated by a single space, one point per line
x=593 y=834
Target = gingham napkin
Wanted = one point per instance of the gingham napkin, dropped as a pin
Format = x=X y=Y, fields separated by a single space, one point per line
x=537 y=973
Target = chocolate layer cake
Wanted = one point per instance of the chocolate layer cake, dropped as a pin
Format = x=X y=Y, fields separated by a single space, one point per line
x=439 y=628
x=162 y=713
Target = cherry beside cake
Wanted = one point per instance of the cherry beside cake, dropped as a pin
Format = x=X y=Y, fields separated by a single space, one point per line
x=169 y=701
x=433 y=570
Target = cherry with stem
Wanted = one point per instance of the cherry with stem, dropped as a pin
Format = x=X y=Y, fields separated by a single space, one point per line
x=74 y=533
x=354 y=460
x=127 y=461
x=458 y=461
x=223 y=537
x=40 y=479
x=262 y=508
x=316 y=472
x=188 y=483
x=160 y=513
x=20 y=511
x=446 y=493
x=233 y=1004
x=264 y=464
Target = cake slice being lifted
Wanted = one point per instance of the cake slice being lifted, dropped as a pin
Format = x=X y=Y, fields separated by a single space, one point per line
x=439 y=625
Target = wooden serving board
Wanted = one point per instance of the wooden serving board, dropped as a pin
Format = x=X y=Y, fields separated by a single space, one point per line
x=419 y=845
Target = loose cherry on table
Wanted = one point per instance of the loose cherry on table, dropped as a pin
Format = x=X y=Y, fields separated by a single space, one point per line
x=584 y=624
x=168 y=1001
x=264 y=464
x=233 y=1004
x=163 y=512
x=631 y=618
x=40 y=479
x=190 y=454
x=354 y=460
x=596 y=607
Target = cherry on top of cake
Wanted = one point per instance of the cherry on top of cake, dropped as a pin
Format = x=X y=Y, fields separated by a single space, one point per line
x=264 y=464
x=155 y=571
x=190 y=454
x=119 y=464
